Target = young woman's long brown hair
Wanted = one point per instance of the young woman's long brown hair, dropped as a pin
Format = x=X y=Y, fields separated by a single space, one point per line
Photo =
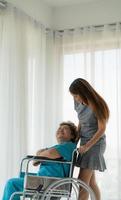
x=89 y=96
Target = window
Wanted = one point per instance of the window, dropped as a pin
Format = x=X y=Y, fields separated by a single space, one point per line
x=102 y=70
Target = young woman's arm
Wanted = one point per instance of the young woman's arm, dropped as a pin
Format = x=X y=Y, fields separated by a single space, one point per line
x=79 y=127
x=95 y=138
x=78 y=131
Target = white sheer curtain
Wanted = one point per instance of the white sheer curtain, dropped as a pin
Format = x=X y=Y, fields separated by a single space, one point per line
x=95 y=54
x=29 y=95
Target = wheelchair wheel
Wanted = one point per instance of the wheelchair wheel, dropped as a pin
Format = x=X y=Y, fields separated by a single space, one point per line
x=67 y=188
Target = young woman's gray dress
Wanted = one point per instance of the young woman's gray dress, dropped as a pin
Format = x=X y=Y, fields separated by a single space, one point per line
x=93 y=158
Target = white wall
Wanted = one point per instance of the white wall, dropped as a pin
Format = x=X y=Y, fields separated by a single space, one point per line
x=35 y=8
x=91 y=13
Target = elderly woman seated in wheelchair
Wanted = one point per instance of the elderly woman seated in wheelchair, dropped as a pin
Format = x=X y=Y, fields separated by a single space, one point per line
x=54 y=178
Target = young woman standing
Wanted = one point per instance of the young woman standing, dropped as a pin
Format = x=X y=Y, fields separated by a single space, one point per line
x=93 y=114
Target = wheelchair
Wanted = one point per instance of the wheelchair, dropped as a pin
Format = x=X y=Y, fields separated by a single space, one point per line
x=50 y=188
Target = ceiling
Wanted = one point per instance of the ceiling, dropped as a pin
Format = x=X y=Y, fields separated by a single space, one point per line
x=61 y=3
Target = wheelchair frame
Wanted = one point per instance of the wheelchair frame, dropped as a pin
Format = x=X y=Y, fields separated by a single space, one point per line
x=52 y=189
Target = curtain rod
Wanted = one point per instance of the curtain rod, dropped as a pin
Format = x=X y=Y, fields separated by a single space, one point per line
x=88 y=26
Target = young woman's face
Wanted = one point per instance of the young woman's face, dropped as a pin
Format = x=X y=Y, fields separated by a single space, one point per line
x=63 y=133
x=77 y=98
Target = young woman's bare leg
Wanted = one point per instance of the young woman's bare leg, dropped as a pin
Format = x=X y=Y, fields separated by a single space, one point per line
x=84 y=175
x=94 y=186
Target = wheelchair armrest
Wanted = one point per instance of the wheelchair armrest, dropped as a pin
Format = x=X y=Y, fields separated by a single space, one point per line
x=44 y=158
x=47 y=159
